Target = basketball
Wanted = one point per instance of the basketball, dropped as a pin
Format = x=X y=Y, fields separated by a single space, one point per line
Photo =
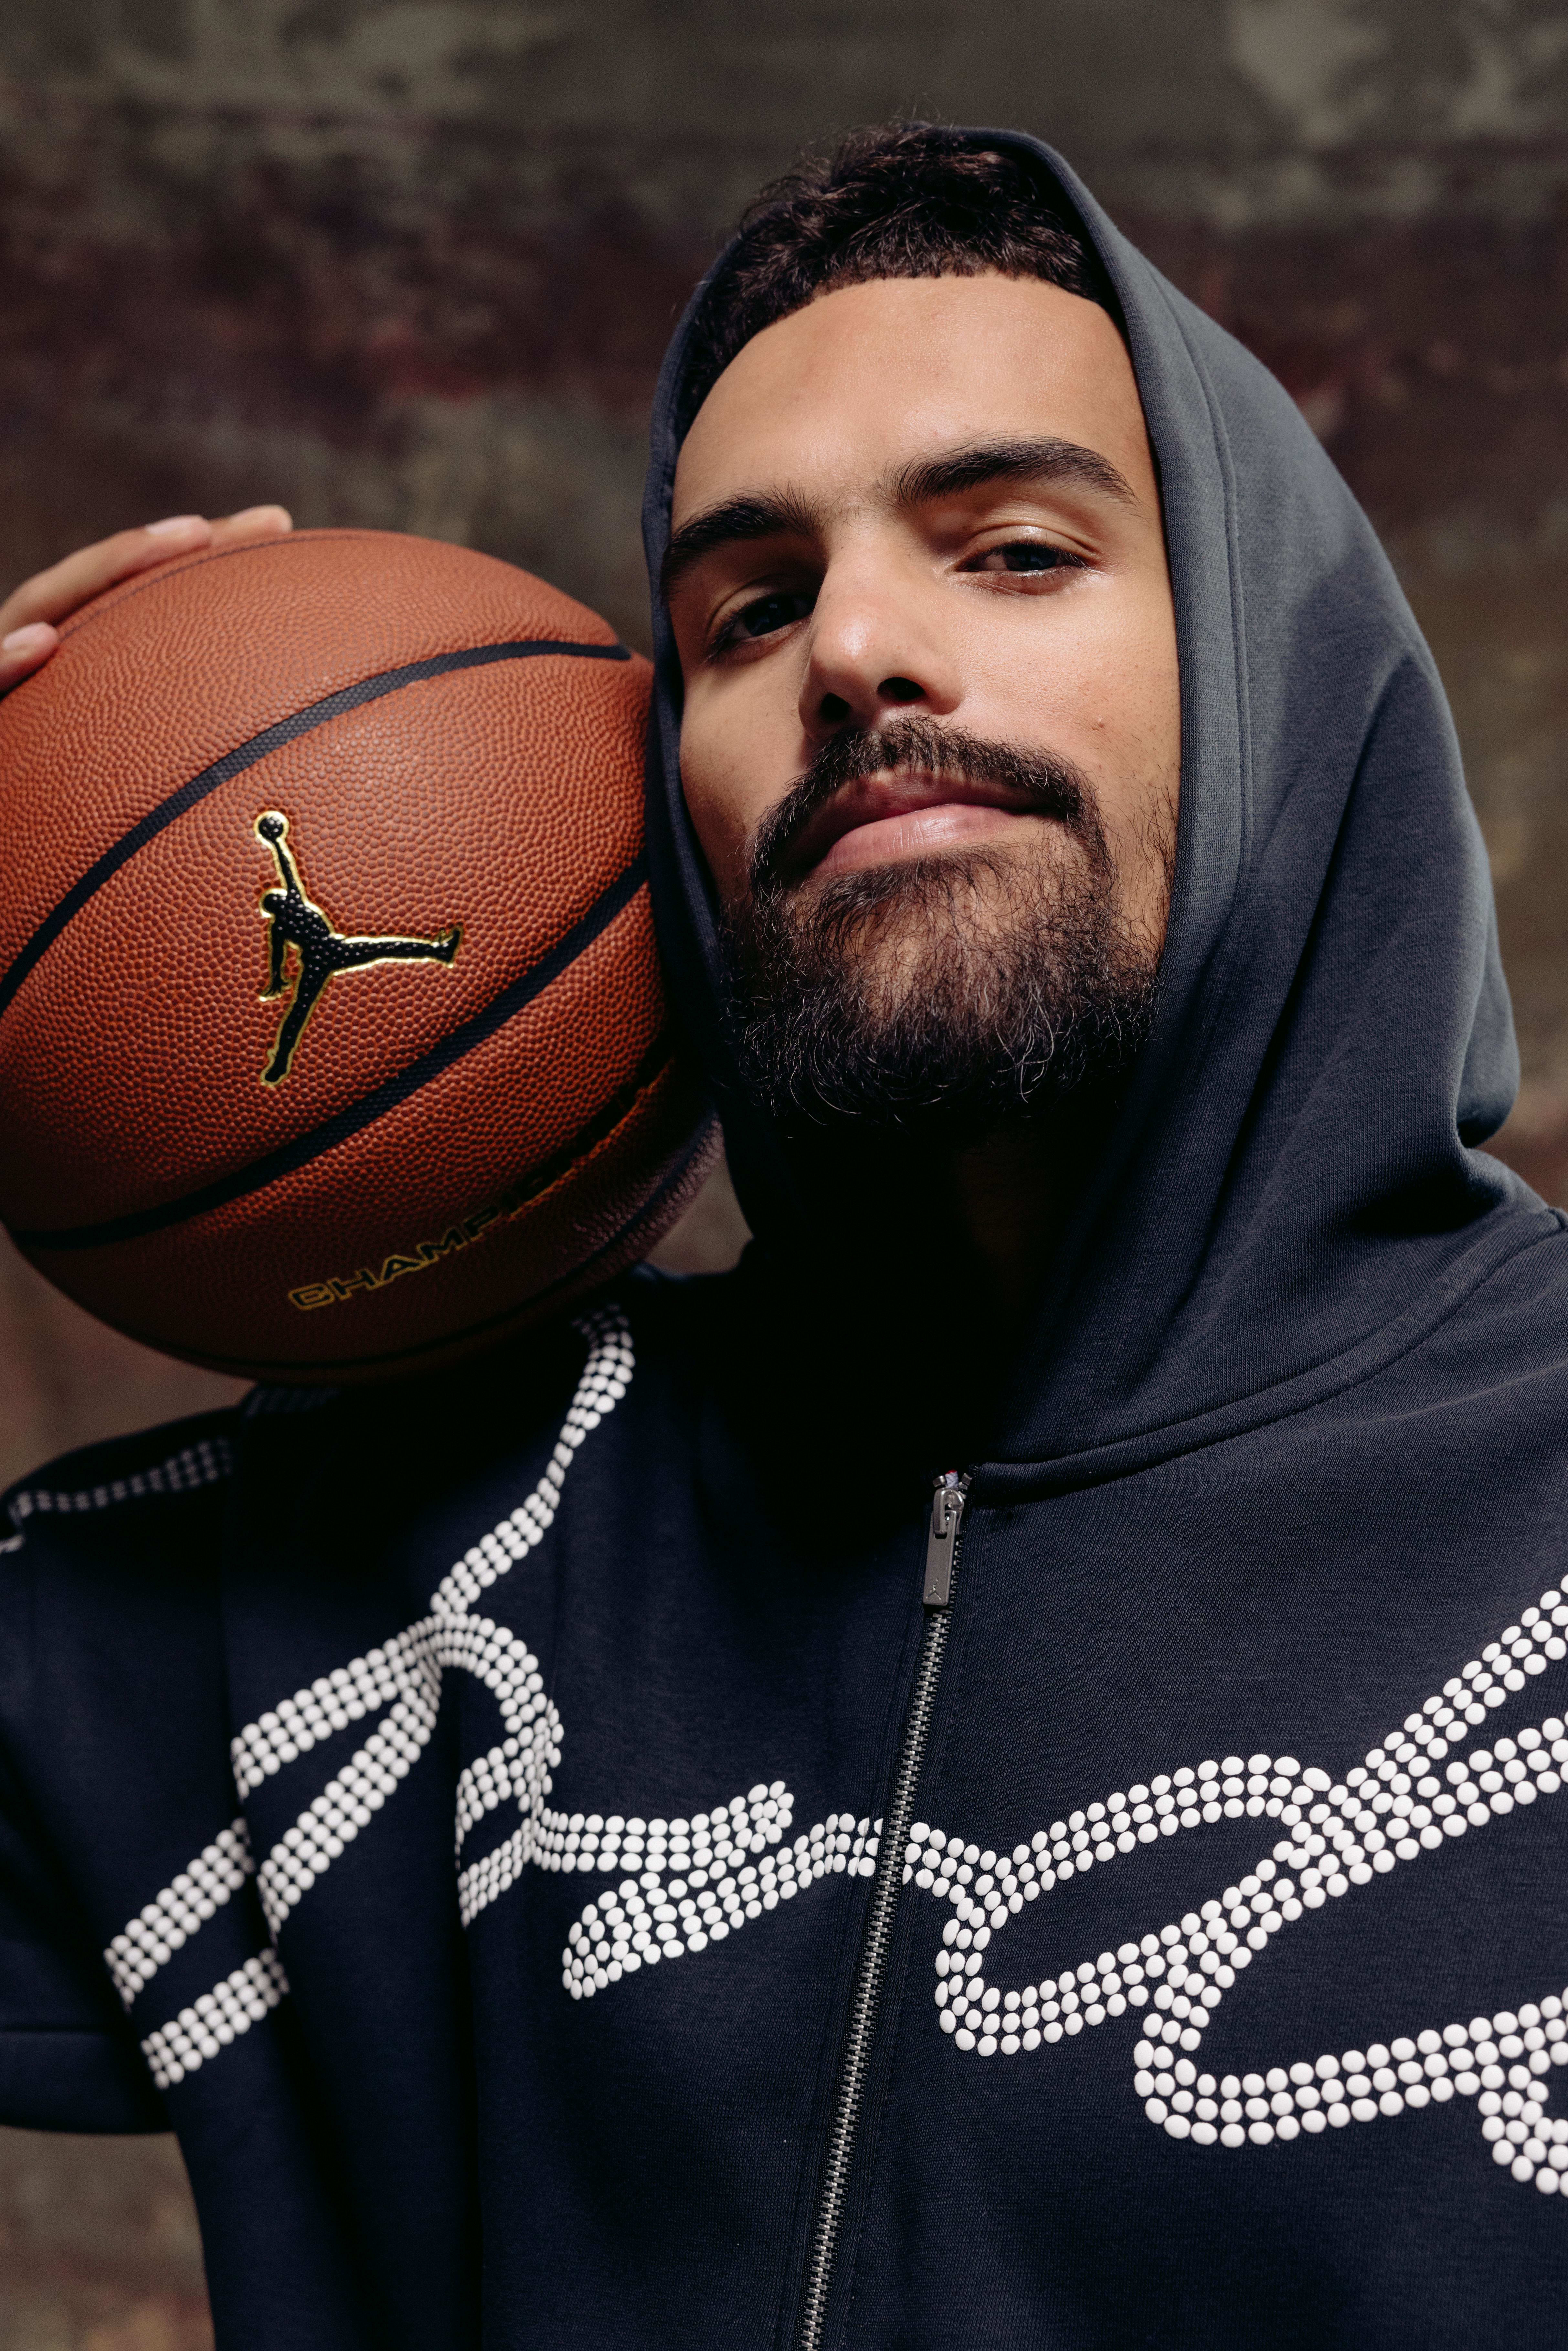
x=333 y=1039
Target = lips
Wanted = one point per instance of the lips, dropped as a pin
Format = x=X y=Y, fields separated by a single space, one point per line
x=904 y=813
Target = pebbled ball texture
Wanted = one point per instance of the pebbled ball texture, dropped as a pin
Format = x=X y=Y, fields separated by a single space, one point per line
x=483 y=1115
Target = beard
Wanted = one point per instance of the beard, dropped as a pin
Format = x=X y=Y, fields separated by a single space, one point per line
x=939 y=1000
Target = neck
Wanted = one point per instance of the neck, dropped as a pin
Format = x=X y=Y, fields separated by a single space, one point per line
x=1009 y=1199
x=978 y=1228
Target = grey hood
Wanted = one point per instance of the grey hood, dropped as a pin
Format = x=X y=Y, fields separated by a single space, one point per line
x=1294 y=1192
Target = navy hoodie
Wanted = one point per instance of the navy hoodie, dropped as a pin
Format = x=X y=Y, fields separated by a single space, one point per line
x=595 y=1850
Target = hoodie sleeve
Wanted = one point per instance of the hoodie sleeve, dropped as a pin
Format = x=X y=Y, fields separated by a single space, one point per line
x=68 y=2058
x=110 y=1564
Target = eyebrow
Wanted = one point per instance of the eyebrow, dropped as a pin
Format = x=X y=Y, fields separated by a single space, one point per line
x=785 y=515
x=984 y=462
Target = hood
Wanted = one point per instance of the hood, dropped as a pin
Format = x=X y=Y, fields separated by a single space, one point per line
x=1293 y=1191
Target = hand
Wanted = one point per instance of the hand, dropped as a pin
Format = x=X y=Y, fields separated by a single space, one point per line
x=30 y=614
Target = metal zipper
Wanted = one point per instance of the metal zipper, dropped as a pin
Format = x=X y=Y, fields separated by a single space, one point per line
x=936 y=1598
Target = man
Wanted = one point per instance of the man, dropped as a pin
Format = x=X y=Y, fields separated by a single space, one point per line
x=1004 y=1763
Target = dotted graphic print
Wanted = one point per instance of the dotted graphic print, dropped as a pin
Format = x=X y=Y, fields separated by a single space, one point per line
x=1411 y=1798
x=723 y=1873
x=264 y=1403
x=205 y=1464
x=401 y=1683
x=211 y=2023
x=683 y=1887
x=167 y=1922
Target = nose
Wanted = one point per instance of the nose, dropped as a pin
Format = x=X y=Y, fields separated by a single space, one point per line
x=875 y=646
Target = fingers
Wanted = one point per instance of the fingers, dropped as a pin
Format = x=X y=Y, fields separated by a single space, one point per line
x=52 y=595
x=252 y=522
x=31 y=613
x=24 y=650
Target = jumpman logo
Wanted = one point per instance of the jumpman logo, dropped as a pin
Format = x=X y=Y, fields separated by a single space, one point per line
x=320 y=952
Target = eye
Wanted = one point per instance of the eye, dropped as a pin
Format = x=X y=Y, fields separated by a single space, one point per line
x=772 y=613
x=763 y=617
x=1026 y=555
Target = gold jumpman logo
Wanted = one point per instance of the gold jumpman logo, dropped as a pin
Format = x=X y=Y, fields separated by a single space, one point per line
x=320 y=951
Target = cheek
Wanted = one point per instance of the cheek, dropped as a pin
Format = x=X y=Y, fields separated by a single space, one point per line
x=712 y=803
x=1099 y=683
x=731 y=773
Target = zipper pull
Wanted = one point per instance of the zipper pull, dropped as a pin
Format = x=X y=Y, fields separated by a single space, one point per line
x=942 y=1541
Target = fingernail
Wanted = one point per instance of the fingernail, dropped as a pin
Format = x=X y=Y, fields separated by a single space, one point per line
x=258 y=514
x=173 y=525
x=28 y=640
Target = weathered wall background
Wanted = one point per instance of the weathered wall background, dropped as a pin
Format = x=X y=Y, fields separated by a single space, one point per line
x=412 y=265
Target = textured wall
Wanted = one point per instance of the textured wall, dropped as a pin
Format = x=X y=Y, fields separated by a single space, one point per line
x=412 y=265
x=99 y=2246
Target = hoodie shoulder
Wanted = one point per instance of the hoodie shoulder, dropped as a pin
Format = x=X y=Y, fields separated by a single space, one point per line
x=100 y=1487
x=91 y=1548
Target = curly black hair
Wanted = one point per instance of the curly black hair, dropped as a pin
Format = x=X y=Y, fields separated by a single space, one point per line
x=897 y=200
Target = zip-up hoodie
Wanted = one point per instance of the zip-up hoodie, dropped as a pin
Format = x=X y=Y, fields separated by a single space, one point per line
x=596 y=1850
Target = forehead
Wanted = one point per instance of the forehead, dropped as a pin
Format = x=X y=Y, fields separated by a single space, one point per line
x=863 y=379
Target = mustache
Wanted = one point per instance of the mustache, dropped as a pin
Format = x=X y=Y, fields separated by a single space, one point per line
x=1046 y=783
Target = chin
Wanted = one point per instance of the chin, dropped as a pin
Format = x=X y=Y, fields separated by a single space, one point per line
x=935 y=998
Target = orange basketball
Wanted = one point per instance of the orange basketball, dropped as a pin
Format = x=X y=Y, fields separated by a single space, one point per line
x=332 y=1040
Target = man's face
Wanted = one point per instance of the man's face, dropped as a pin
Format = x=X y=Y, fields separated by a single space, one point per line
x=931 y=738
